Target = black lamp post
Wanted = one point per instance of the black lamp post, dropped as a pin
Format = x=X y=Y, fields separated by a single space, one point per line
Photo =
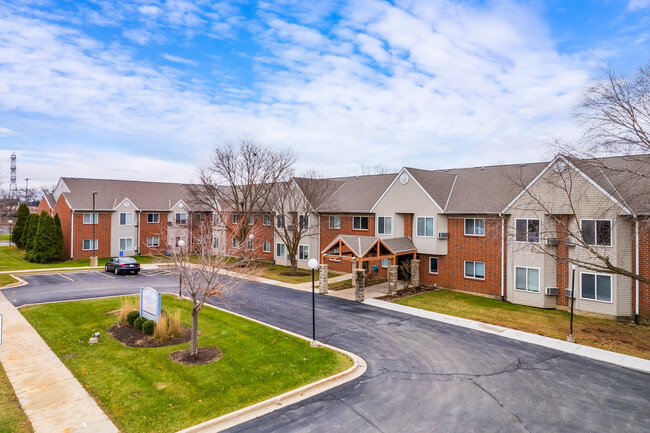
x=181 y=243
x=573 y=284
x=313 y=264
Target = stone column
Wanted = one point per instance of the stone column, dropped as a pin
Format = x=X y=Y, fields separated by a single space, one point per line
x=360 y=284
x=392 y=279
x=322 y=279
x=415 y=272
x=354 y=275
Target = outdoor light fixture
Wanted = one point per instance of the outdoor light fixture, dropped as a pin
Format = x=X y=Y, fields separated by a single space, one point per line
x=181 y=243
x=313 y=264
x=570 y=338
x=10 y=230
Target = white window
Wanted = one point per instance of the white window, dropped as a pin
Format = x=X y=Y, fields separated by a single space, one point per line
x=235 y=218
x=475 y=226
x=126 y=218
x=88 y=218
x=360 y=223
x=384 y=263
x=527 y=279
x=216 y=219
x=303 y=252
x=597 y=287
x=88 y=244
x=266 y=246
x=216 y=242
x=153 y=241
x=433 y=265
x=178 y=239
x=280 y=249
x=597 y=232
x=266 y=220
x=303 y=221
x=250 y=244
x=335 y=222
x=251 y=220
x=235 y=243
x=181 y=218
x=527 y=230
x=475 y=270
x=126 y=244
x=153 y=218
x=425 y=226
x=197 y=216
x=385 y=225
x=279 y=221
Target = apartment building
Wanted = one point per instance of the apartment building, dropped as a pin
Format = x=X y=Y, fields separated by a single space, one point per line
x=504 y=231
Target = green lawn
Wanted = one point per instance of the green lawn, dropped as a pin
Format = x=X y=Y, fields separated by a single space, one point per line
x=6 y=279
x=275 y=272
x=5 y=237
x=142 y=390
x=12 y=417
x=11 y=259
x=608 y=334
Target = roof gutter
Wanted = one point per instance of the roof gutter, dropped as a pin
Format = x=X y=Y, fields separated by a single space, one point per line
x=503 y=241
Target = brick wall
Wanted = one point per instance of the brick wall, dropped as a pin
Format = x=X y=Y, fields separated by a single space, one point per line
x=327 y=235
x=451 y=267
x=644 y=269
x=44 y=206
x=408 y=225
x=260 y=234
x=85 y=231
x=65 y=215
x=562 y=266
x=158 y=229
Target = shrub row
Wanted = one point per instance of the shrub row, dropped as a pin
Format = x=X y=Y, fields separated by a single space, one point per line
x=140 y=323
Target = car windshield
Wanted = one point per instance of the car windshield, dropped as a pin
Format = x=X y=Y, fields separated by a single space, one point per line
x=127 y=260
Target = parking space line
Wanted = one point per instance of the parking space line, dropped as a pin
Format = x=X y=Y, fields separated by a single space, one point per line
x=104 y=274
x=67 y=278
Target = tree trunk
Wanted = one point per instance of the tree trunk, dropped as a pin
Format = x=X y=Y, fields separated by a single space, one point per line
x=194 y=348
x=294 y=266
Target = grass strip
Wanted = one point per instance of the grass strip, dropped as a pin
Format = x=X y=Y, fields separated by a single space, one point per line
x=621 y=336
x=12 y=417
x=142 y=390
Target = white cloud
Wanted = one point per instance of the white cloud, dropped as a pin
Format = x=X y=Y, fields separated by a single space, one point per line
x=6 y=132
x=177 y=59
x=634 y=5
x=150 y=10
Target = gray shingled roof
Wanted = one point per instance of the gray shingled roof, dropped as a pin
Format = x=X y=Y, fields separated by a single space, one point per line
x=356 y=193
x=361 y=244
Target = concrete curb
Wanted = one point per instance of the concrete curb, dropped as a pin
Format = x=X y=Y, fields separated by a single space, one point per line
x=283 y=400
x=627 y=361
x=19 y=283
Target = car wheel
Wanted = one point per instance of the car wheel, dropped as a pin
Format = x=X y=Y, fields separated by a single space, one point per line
x=106 y=268
x=116 y=271
x=136 y=272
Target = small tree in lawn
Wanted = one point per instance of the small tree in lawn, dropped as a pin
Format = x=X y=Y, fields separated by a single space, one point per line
x=30 y=232
x=19 y=228
x=45 y=247
x=207 y=272
x=59 y=237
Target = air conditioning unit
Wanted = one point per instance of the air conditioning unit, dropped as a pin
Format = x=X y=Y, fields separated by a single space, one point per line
x=170 y=223
x=443 y=235
x=567 y=293
x=291 y=227
x=551 y=291
x=552 y=242
x=569 y=242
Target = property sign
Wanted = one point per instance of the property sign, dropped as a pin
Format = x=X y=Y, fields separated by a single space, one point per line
x=149 y=303
x=0 y=329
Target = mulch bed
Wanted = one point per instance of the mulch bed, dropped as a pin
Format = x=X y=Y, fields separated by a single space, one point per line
x=205 y=355
x=129 y=336
x=405 y=293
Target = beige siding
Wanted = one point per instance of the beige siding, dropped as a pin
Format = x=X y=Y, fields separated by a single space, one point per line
x=410 y=198
x=124 y=231
x=174 y=230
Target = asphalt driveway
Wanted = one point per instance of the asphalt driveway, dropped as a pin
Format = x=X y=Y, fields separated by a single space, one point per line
x=423 y=376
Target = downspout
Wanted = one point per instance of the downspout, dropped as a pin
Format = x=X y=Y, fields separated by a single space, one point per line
x=503 y=240
x=72 y=236
x=139 y=224
x=636 y=255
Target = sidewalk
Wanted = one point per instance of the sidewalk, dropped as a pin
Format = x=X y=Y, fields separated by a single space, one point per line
x=53 y=400
x=615 y=358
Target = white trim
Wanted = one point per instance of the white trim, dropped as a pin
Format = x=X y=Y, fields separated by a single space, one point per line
x=83 y=248
x=404 y=169
x=126 y=219
x=126 y=199
x=580 y=172
x=611 y=231
x=152 y=237
x=119 y=244
x=270 y=220
x=71 y=232
x=539 y=239
x=377 y=225
x=503 y=241
x=473 y=278
x=433 y=235
x=451 y=191
x=171 y=208
x=473 y=234
x=96 y=219
x=303 y=247
x=284 y=250
x=611 y=287
x=179 y=213
x=539 y=279
x=329 y=222
x=269 y=244
x=153 y=213
x=360 y=216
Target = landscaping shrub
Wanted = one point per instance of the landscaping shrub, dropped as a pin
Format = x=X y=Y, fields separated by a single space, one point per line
x=139 y=322
x=174 y=324
x=29 y=233
x=131 y=317
x=19 y=228
x=168 y=326
x=59 y=237
x=148 y=327
x=44 y=245
x=129 y=305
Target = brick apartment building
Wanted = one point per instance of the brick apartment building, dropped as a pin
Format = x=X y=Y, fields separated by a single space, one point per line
x=504 y=231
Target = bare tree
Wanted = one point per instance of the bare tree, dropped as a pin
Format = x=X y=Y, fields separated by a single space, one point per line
x=207 y=272
x=376 y=169
x=240 y=182
x=295 y=204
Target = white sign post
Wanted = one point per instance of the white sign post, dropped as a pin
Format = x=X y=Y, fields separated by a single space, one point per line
x=149 y=303
x=0 y=329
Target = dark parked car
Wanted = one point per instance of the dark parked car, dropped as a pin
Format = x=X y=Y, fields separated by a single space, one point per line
x=120 y=265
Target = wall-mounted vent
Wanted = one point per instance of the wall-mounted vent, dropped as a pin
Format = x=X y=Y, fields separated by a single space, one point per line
x=551 y=291
x=443 y=235
x=554 y=242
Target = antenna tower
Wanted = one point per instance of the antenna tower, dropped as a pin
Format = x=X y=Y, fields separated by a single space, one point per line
x=12 y=185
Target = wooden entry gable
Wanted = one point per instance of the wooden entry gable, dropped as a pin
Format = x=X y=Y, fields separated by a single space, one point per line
x=367 y=248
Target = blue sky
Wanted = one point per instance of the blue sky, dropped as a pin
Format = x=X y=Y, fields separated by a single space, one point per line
x=145 y=89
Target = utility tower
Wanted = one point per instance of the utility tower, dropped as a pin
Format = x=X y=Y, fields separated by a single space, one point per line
x=13 y=188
